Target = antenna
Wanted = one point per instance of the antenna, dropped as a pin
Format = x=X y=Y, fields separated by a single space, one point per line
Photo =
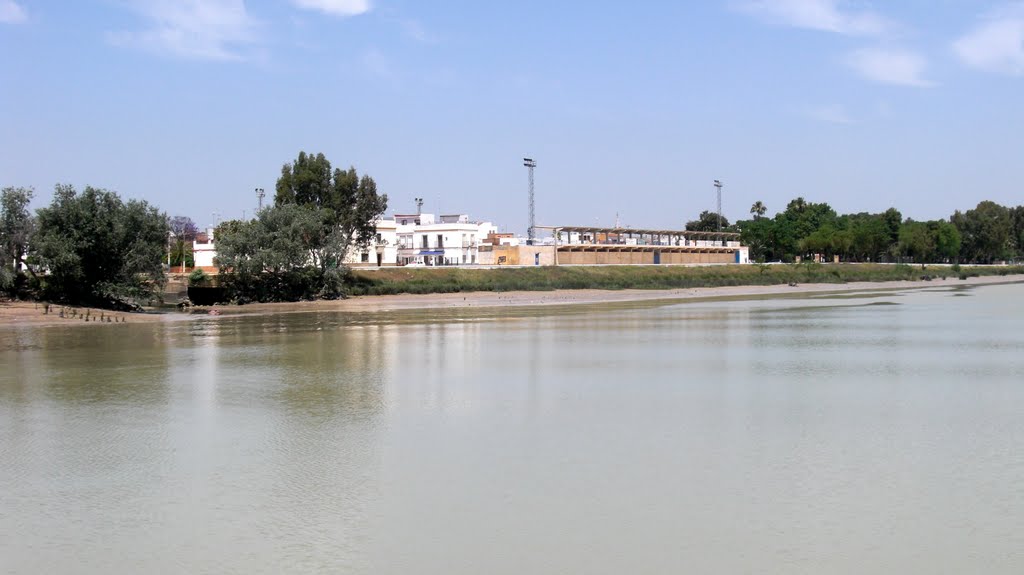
x=530 y=234
x=718 y=185
x=259 y=196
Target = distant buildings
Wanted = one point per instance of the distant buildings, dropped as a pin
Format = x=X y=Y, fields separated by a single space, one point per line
x=455 y=240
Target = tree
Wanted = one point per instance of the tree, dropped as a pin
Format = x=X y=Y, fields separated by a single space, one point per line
x=947 y=241
x=16 y=226
x=1017 y=230
x=708 y=222
x=351 y=202
x=99 y=250
x=183 y=232
x=759 y=235
x=758 y=210
x=985 y=231
x=282 y=255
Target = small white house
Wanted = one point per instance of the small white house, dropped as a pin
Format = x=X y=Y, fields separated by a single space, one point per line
x=203 y=251
x=382 y=249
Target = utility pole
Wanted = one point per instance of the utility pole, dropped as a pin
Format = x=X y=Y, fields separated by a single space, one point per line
x=530 y=233
x=718 y=185
x=259 y=196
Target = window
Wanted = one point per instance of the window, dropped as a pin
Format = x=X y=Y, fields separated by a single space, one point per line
x=365 y=257
x=425 y=246
x=440 y=241
x=379 y=239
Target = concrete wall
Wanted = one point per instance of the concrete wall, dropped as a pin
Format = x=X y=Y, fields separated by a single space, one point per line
x=643 y=257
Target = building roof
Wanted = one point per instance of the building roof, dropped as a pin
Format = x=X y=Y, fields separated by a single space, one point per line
x=646 y=232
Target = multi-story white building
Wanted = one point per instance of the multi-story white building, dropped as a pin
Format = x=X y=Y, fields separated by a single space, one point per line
x=446 y=240
x=418 y=239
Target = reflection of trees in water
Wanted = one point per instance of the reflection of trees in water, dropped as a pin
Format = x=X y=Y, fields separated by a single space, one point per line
x=126 y=363
x=336 y=371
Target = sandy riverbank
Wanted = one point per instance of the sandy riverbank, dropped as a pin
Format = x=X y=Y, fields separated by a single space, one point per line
x=29 y=313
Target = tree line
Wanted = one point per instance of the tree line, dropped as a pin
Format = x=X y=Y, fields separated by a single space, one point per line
x=93 y=248
x=986 y=234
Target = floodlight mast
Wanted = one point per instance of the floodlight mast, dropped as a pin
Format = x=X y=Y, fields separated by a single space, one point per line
x=530 y=232
x=718 y=185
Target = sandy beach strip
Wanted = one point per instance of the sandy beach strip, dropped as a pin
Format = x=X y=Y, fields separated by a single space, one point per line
x=31 y=313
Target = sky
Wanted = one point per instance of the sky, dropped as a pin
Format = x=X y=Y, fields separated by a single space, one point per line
x=630 y=109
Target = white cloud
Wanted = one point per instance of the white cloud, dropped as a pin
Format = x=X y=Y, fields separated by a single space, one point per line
x=11 y=12
x=335 y=7
x=997 y=44
x=825 y=15
x=200 y=29
x=890 y=66
x=831 y=115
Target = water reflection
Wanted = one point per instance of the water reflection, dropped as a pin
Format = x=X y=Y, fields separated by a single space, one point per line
x=874 y=433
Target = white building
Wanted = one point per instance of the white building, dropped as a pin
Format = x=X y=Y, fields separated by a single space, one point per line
x=418 y=239
x=382 y=249
x=203 y=251
x=446 y=240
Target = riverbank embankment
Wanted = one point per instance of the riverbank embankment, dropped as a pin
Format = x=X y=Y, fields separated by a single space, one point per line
x=30 y=313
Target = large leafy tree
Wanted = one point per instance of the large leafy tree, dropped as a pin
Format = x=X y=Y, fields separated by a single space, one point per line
x=286 y=253
x=99 y=250
x=16 y=226
x=351 y=204
x=986 y=232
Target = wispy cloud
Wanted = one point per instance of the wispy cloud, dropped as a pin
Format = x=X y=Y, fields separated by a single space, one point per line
x=415 y=30
x=825 y=15
x=11 y=12
x=831 y=115
x=197 y=29
x=891 y=66
x=997 y=44
x=335 y=7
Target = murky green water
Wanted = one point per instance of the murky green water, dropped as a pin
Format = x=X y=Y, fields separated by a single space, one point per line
x=821 y=435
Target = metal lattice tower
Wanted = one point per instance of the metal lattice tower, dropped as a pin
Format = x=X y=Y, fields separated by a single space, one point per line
x=259 y=196
x=530 y=234
x=718 y=185
x=419 y=205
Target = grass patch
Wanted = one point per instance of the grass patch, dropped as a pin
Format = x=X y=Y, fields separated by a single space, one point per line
x=452 y=280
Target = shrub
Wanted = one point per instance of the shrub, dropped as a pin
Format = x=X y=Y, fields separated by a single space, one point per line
x=198 y=278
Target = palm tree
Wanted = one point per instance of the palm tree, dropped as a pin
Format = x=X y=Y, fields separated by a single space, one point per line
x=758 y=209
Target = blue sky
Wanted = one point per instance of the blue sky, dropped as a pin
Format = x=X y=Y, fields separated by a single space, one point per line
x=628 y=108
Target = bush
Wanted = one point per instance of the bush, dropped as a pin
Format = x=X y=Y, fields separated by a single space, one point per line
x=198 y=278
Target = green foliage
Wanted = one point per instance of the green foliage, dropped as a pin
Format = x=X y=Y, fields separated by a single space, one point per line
x=448 y=280
x=708 y=222
x=287 y=253
x=346 y=201
x=986 y=232
x=16 y=228
x=295 y=249
x=198 y=278
x=99 y=250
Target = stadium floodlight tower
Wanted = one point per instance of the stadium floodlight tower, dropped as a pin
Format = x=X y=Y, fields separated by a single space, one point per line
x=718 y=185
x=530 y=233
x=260 y=194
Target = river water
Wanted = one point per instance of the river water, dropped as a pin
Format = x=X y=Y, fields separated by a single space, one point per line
x=865 y=433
